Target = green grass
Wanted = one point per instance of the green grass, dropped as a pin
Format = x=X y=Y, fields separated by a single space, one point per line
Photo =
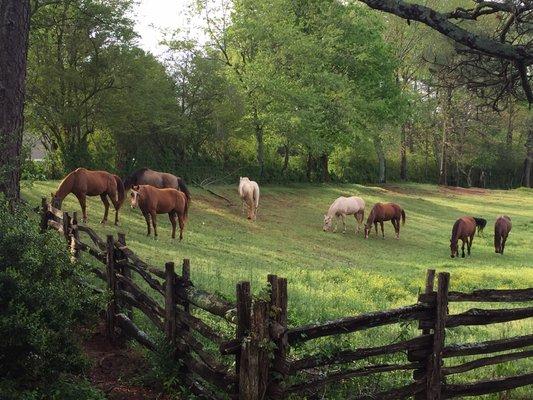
x=331 y=275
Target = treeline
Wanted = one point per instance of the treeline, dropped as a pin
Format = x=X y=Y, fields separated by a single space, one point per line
x=283 y=90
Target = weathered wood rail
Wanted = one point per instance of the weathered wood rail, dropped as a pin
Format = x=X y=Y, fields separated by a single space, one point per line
x=254 y=362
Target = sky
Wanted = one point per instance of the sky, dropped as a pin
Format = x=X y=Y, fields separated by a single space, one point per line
x=153 y=17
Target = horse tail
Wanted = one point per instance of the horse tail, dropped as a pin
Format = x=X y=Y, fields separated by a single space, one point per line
x=184 y=189
x=256 y=196
x=403 y=217
x=121 y=191
x=186 y=207
x=497 y=239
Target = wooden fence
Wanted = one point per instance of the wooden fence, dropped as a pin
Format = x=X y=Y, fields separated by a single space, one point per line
x=255 y=364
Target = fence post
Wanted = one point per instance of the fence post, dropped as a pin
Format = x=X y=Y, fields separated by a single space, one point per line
x=44 y=214
x=75 y=236
x=170 y=302
x=244 y=305
x=186 y=276
x=278 y=328
x=66 y=227
x=434 y=378
x=254 y=361
x=111 y=285
x=420 y=375
x=126 y=272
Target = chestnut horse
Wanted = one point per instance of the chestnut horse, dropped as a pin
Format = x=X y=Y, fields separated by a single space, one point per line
x=153 y=201
x=463 y=229
x=161 y=180
x=83 y=182
x=502 y=227
x=385 y=212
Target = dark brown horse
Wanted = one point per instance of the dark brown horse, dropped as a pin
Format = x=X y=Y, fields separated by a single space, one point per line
x=161 y=180
x=502 y=227
x=463 y=229
x=153 y=201
x=83 y=182
x=385 y=212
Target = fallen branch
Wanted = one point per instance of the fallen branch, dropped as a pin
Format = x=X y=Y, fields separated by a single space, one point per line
x=204 y=187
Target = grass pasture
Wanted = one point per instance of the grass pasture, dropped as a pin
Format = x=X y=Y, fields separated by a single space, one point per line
x=331 y=275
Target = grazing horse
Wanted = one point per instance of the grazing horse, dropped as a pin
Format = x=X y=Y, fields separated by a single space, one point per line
x=83 y=182
x=463 y=229
x=161 y=180
x=502 y=227
x=342 y=207
x=153 y=201
x=481 y=224
x=385 y=212
x=249 y=194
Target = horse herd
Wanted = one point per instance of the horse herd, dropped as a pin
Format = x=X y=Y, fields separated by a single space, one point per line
x=463 y=229
x=156 y=192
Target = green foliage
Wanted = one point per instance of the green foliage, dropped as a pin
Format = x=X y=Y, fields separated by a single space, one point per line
x=40 y=304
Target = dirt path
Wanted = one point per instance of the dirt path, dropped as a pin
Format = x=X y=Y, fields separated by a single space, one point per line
x=114 y=368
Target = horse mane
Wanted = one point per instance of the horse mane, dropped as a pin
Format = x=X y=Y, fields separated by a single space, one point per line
x=371 y=216
x=481 y=222
x=455 y=230
x=65 y=186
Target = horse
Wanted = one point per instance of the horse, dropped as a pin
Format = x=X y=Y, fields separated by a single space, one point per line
x=465 y=229
x=83 y=182
x=481 y=224
x=502 y=227
x=249 y=194
x=153 y=201
x=385 y=212
x=161 y=180
x=341 y=207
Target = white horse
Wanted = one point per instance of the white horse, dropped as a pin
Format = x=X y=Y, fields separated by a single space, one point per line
x=342 y=207
x=249 y=194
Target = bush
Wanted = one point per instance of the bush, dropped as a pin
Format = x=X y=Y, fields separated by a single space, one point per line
x=40 y=305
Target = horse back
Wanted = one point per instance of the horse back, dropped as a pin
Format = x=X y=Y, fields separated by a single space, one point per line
x=94 y=183
x=503 y=225
x=466 y=227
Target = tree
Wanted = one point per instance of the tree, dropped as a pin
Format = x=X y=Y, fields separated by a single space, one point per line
x=14 y=30
x=502 y=58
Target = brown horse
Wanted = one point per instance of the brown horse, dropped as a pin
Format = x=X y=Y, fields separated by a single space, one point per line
x=161 y=180
x=463 y=229
x=153 y=201
x=385 y=212
x=83 y=182
x=502 y=227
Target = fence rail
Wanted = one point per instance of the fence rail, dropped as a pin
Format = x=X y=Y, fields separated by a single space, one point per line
x=254 y=363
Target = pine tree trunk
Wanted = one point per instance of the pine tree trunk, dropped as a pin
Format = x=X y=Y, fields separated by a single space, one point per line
x=403 y=153
x=324 y=164
x=14 y=30
x=260 y=144
x=528 y=162
x=381 y=158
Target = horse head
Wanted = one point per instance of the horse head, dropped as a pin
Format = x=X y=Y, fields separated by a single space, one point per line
x=134 y=196
x=56 y=201
x=454 y=248
x=368 y=227
x=327 y=223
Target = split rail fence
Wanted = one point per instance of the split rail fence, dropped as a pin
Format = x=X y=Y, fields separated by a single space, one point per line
x=255 y=363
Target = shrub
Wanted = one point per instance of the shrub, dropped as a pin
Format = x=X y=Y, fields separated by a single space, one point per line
x=40 y=305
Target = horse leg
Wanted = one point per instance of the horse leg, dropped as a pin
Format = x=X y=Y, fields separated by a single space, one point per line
x=382 y=231
x=463 y=248
x=106 y=207
x=147 y=219
x=470 y=243
x=376 y=227
x=172 y=217
x=343 y=217
x=504 y=239
x=116 y=206
x=181 y=221
x=396 y=224
x=356 y=222
x=83 y=205
x=154 y=221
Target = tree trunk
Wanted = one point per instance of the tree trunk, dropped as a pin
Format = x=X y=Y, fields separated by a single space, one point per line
x=285 y=159
x=528 y=162
x=260 y=144
x=14 y=30
x=510 y=127
x=381 y=158
x=403 y=153
x=309 y=167
x=443 y=169
x=324 y=165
